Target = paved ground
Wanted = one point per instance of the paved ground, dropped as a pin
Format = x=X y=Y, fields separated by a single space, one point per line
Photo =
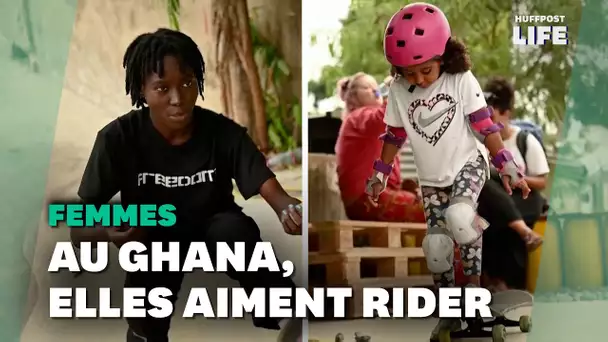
x=553 y=322
x=394 y=330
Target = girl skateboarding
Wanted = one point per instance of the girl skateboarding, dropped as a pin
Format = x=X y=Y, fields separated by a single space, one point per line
x=438 y=104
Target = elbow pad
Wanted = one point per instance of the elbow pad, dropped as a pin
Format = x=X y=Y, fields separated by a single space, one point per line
x=394 y=135
x=482 y=124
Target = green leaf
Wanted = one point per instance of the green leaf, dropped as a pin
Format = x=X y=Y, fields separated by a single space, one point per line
x=283 y=67
x=313 y=39
x=173 y=9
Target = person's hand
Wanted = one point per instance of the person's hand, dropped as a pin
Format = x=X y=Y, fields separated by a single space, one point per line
x=510 y=173
x=118 y=236
x=374 y=187
x=121 y=235
x=521 y=184
x=291 y=218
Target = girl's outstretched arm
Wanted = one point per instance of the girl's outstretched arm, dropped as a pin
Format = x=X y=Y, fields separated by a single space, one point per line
x=489 y=132
x=393 y=139
x=480 y=120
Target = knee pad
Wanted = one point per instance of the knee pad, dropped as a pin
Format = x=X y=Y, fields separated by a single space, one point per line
x=460 y=220
x=439 y=252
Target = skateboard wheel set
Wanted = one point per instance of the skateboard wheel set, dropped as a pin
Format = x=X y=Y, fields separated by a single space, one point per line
x=499 y=331
x=358 y=338
x=496 y=328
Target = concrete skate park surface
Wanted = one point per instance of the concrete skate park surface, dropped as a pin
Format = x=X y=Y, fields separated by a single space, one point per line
x=92 y=96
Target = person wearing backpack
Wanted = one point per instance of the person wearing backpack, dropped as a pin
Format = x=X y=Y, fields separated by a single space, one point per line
x=525 y=143
x=510 y=237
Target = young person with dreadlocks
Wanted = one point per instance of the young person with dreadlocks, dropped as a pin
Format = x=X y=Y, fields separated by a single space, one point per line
x=170 y=151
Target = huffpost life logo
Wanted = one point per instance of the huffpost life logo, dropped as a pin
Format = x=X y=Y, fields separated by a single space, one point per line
x=541 y=29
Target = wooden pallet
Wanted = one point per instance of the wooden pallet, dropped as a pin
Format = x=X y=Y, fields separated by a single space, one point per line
x=367 y=262
x=342 y=236
x=346 y=252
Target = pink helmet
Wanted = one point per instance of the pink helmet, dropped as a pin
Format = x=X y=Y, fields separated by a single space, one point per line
x=416 y=34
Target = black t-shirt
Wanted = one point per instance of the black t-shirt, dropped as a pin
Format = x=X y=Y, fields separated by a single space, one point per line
x=131 y=157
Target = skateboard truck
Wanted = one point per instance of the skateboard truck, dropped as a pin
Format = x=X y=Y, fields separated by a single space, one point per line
x=502 y=303
x=476 y=329
x=362 y=338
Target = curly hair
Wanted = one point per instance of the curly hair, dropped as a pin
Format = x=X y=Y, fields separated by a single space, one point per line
x=456 y=58
x=500 y=93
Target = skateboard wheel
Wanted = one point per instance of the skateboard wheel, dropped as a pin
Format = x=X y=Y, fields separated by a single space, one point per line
x=339 y=338
x=525 y=323
x=499 y=333
x=445 y=336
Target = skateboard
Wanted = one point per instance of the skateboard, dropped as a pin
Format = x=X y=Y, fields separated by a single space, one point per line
x=502 y=303
x=358 y=338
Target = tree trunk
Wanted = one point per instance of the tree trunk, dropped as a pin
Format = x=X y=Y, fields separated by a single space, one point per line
x=242 y=96
x=244 y=49
x=280 y=22
x=227 y=65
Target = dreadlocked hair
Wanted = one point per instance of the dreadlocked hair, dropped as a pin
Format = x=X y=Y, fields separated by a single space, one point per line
x=145 y=56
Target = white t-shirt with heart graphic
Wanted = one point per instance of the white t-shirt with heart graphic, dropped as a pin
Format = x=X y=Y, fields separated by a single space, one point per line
x=437 y=126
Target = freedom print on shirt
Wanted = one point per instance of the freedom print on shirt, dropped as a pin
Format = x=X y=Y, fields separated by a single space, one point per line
x=205 y=176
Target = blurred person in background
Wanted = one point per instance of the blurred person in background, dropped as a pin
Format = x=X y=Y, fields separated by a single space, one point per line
x=511 y=236
x=528 y=152
x=357 y=147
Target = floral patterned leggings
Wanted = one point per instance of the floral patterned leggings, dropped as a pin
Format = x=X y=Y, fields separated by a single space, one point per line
x=467 y=184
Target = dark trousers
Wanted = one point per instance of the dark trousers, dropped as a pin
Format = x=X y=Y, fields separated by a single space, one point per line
x=505 y=254
x=230 y=227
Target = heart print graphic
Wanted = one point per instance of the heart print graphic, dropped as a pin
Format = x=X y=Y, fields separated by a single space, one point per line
x=421 y=108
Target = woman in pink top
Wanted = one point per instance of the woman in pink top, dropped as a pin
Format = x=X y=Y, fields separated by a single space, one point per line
x=357 y=148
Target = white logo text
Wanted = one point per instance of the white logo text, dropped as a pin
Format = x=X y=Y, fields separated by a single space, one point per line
x=205 y=176
x=539 y=35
